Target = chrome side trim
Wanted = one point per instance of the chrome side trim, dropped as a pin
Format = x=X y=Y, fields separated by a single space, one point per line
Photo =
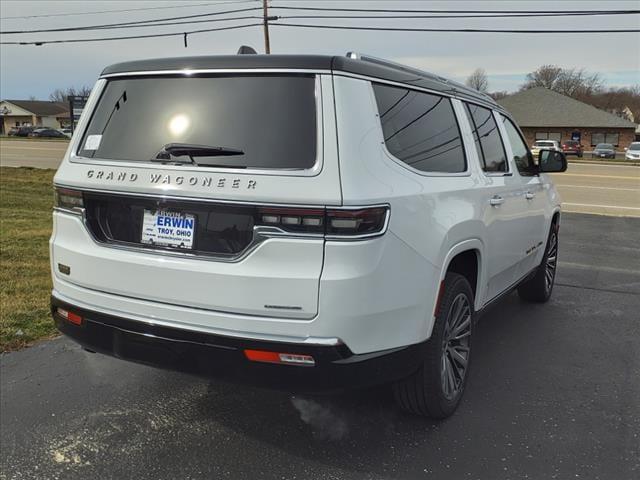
x=320 y=341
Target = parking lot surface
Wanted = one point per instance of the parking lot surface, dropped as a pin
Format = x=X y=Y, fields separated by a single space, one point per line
x=553 y=394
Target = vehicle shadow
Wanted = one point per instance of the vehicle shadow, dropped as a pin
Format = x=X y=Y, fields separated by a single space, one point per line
x=364 y=430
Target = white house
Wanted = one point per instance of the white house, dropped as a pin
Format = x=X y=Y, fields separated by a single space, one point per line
x=15 y=113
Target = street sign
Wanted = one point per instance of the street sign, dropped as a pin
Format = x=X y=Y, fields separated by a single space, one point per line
x=76 y=105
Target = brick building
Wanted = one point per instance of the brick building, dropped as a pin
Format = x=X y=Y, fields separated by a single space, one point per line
x=546 y=115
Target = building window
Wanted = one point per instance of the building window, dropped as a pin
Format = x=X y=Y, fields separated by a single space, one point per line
x=611 y=138
x=548 y=136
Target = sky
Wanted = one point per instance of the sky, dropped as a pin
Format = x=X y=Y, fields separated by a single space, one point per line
x=27 y=71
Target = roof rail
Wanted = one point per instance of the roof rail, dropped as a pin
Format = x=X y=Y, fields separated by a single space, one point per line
x=381 y=61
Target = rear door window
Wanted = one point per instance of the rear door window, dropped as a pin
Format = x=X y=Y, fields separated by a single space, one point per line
x=487 y=139
x=420 y=129
x=271 y=119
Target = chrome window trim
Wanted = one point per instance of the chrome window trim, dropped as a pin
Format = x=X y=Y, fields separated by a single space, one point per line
x=314 y=171
x=196 y=71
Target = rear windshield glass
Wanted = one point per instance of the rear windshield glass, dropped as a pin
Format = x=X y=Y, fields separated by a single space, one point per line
x=605 y=146
x=266 y=121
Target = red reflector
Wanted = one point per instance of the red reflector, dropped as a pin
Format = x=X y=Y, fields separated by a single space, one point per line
x=281 y=358
x=70 y=316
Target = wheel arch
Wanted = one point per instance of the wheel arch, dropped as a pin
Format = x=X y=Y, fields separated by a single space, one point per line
x=459 y=257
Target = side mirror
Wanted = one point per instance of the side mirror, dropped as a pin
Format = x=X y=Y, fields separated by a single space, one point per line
x=551 y=161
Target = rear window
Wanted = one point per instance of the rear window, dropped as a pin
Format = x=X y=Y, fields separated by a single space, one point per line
x=270 y=118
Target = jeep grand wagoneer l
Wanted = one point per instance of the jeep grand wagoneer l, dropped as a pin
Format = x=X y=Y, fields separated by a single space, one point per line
x=304 y=222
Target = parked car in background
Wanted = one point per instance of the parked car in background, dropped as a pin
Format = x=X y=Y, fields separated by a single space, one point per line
x=66 y=131
x=20 y=131
x=603 y=150
x=572 y=147
x=341 y=227
x=633 y=152
x=47 y=133
x=545 y=145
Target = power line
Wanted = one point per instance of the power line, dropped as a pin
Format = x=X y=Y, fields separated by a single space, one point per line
x=497 y=15
x=131 y=37
x=183 y=5
x=395 y=10
x=449 y=30
x=187 y=22
x=133 y=23
x=153 y=22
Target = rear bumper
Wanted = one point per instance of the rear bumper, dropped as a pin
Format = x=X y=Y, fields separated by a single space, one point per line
x=336 y=367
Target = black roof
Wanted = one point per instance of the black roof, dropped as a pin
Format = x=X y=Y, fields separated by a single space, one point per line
x=364 y=65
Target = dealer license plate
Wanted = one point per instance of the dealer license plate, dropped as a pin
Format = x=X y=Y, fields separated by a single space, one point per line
x=168 y=229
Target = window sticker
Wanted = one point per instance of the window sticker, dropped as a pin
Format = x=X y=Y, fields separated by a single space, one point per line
x=92 y=142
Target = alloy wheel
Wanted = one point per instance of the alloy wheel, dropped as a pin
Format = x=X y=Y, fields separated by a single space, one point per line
x=552 y=262
x=456 y=346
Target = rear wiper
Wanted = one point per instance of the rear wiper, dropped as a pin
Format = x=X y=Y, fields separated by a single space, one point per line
x=191 y=150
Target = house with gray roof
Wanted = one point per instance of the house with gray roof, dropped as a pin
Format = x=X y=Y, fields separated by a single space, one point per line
x=546 y=115
x=15 y=113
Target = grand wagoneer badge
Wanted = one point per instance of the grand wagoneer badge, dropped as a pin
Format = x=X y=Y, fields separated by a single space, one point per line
x=168 y=179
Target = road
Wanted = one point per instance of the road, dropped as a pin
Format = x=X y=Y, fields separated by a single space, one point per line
x=553 y=394
x=32 y=153
x=585 y=188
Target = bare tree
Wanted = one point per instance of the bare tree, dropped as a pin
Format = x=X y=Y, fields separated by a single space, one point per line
x=32 y=97
x=573 y=82
x=545 y=76
x=61 y=94
x=478 y=80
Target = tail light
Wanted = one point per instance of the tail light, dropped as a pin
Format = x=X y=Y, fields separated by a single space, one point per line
x=333 y=222
x=68 y=199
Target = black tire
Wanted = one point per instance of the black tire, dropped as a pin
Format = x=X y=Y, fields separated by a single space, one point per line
x=539 y=287
x=428 y=391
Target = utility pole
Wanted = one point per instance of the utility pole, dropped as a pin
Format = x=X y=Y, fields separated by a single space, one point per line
x=265 y=22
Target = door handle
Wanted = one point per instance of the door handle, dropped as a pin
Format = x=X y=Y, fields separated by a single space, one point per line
x=529 y=195
x=496 y=200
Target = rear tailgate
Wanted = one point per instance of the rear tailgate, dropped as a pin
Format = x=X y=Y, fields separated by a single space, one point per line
x=232 y=261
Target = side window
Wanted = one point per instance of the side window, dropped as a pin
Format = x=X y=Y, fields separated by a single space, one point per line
x=521 y=154
x=420 y=129
x=487 y=137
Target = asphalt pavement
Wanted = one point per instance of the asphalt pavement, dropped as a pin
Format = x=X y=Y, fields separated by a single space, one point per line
x=32 y=153
x=553 y=393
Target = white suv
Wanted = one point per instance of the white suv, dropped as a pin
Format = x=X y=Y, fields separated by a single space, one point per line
x=303 y=222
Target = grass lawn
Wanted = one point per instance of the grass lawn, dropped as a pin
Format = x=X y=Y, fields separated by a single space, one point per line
x=26 y=200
